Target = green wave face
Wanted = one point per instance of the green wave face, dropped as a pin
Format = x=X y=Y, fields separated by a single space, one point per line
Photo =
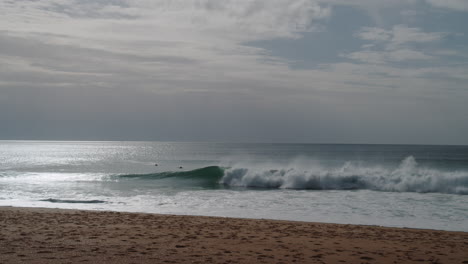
x=207 y=177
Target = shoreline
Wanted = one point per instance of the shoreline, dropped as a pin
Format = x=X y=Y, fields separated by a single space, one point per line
x=50 y=235
x=224 y=217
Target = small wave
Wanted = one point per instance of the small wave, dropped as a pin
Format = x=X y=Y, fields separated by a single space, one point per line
x=207 y=177
x=407 y=177
x=211 y=172
x=73 y=201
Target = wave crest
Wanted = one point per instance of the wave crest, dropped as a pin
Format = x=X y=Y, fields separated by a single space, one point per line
x=407 y=177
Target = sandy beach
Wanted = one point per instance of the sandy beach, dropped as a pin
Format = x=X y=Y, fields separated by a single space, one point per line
x=37 y=235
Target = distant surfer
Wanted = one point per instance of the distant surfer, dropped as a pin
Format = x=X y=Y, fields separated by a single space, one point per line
x=181 y=167
x=156 y=164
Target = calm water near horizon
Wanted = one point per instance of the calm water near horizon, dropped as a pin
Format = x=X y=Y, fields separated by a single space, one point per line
x=414 y=186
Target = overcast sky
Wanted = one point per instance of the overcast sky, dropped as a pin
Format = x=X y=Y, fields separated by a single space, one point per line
x=331 y=71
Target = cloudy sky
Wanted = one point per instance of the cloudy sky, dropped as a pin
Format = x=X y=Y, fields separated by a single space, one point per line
x=336 y=71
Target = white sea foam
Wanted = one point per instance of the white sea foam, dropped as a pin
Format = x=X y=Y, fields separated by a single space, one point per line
x=407 y=177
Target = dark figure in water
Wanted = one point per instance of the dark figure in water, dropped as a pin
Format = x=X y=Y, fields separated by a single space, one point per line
x=156 y=164
x=180 y=167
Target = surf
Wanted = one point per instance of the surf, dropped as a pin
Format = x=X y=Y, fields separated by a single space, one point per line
x=407 y=177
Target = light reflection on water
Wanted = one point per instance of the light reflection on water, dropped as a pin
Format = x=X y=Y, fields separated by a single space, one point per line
x=88 y=171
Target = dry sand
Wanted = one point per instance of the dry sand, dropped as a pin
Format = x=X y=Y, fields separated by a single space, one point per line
x=34 y=235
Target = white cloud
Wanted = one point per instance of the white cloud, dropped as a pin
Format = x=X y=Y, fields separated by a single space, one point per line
x=460 y=5
x=192 y=41
x=407 y=54
x=373 y=4
x=393 y=45
x=399 y=34
x=380 y=57
x=155 y=39
x=375 y=34
x=235 y=19
x=403 y=34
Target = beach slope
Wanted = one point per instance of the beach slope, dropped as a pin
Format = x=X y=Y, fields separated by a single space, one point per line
x=36 y=235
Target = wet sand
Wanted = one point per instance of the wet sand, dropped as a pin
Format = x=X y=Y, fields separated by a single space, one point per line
x=36 y=235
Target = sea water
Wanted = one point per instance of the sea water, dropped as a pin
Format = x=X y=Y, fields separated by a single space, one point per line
x=391 y=185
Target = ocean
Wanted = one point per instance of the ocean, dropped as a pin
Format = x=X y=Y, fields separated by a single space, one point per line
x=413 y=186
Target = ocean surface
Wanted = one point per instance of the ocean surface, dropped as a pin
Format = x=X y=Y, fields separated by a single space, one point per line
x=390 y=185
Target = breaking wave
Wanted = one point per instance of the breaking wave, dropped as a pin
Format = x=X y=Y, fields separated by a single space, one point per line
x=407 y=177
